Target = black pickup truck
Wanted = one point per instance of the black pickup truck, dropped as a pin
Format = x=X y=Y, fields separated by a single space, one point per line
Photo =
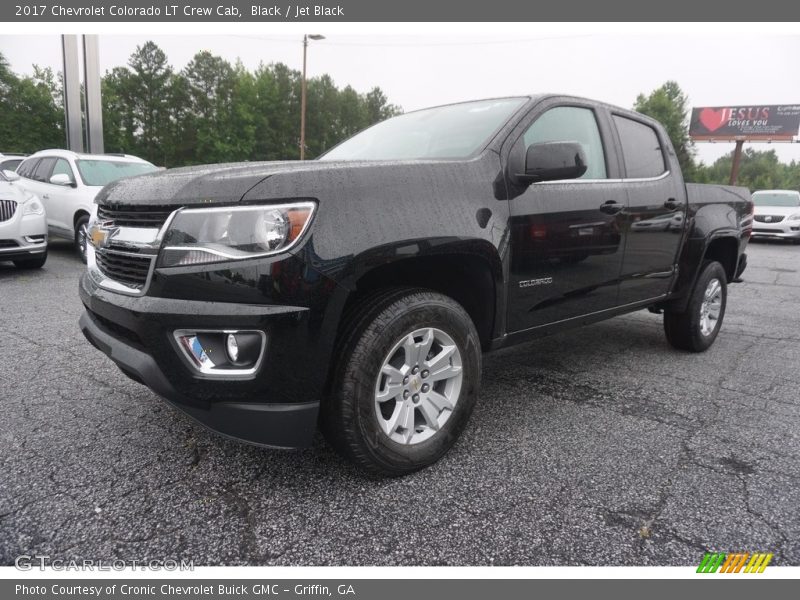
x=357 y=292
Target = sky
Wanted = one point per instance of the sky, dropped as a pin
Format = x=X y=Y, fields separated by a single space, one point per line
x=416 y=71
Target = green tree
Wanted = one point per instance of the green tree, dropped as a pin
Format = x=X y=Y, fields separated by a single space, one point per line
x=210 y=111
x=670 y=106
x=146 y=89
x=32 y=114
x=758 y=170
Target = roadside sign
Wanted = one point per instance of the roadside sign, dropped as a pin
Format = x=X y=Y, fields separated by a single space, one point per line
x=764 y=123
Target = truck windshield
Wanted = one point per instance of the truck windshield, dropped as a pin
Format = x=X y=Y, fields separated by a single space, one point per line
x=103 y=172
x=776 y=199
x=454 y=131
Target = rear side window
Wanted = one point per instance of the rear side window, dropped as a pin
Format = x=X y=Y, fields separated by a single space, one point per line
x=27 y=167
x=42 y=172
x=643 y=154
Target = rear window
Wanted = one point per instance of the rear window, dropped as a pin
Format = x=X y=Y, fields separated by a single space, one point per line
x=641 y=149
x=103 y=172
x=776 y=199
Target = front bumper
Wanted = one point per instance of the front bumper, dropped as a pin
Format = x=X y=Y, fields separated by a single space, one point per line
x=278 y=407
x=785 y=230
x=13 y=234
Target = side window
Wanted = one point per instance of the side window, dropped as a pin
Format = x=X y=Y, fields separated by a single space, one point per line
x=42 y=172
x=571 y=124
x=27 y=167
x=62 y=168
x=641 y=149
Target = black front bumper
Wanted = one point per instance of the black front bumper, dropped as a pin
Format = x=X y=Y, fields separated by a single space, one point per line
x=269 y=411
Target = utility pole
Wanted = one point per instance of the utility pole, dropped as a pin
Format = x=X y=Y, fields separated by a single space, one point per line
x=306 y=37
x=737 y=160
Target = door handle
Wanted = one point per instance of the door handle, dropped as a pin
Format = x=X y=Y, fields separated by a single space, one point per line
x=673 y=204
x=611 y=207
x=45 y=197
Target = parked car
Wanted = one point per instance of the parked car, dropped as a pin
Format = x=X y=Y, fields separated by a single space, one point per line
x=358 y=291
x=9 y=161
x=777 y=215
x=67 y=183
x=23 y=225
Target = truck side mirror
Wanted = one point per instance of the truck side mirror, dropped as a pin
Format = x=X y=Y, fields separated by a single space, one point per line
x=550 y=161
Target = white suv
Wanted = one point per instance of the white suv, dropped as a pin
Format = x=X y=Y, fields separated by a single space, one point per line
x=23 y=227
x=67 y=183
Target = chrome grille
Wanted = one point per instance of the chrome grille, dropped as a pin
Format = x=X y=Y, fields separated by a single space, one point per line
x=134 y=216
x=124 y=267
x=769 y=218
x=7 y=209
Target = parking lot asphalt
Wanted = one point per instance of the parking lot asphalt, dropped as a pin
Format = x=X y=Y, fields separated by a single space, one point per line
x=598 y=446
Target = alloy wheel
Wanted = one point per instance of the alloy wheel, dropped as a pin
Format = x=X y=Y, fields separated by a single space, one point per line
x=418 y=386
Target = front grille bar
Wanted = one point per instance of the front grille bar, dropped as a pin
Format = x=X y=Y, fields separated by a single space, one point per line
x=7 y=209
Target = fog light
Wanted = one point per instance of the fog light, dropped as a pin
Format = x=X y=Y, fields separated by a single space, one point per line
x=222 y=353
x=232 y=347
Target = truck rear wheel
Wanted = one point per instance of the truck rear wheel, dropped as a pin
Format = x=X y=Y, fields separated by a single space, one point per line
x=697 y=327
x=406 y=382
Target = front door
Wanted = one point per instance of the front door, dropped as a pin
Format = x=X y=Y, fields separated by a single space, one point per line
x=63 y=199
x=566 y=236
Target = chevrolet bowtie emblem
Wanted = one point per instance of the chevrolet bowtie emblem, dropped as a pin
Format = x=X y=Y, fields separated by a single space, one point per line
x=101 y=232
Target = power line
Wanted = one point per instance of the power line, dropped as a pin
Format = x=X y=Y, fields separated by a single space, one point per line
x=413 y=44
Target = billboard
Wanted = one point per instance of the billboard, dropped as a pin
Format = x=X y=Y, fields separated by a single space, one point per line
x=765 y=123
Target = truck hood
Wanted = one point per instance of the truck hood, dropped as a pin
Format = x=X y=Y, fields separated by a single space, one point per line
x=228 y=183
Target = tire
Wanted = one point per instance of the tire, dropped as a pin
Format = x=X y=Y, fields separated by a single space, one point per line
x=691 y=330
x=31 y=263
x=374 y=360
x=81 y=236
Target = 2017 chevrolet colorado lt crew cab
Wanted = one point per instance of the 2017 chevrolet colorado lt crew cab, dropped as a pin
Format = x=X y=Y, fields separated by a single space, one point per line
x=358 y=291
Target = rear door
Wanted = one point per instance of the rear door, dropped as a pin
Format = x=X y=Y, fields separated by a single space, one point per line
x=655 y=218
x=566 y=238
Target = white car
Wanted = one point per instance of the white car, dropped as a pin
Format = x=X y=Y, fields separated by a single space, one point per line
x=67 y=183
x=10 y=160
x=777 y=214
x=23 y=225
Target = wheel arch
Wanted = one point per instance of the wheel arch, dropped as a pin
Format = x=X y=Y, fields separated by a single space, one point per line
x=78 y=214
x=722 y=246
x=467 y=270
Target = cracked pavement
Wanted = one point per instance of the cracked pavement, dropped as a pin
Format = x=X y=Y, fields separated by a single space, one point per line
x=598 y=446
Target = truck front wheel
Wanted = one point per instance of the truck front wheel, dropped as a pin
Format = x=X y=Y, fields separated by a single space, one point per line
x=406 y=382
x=697 y=327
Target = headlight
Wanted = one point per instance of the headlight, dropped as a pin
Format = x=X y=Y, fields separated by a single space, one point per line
x=795 y=217
x=208 y=235
x=32 y=207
